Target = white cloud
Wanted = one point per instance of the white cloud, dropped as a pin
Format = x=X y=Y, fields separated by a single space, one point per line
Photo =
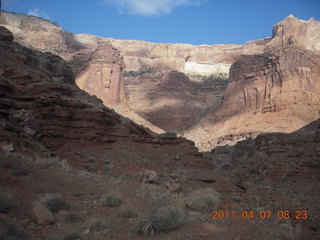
x=38 y=13
x=150 y=7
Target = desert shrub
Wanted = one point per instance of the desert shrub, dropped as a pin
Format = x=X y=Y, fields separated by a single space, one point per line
x=129 y=213
x=146 y=228
x=8 y=162
x=72 y=236
x=212 y=77
x=5 y=201
x=96 y=225
x=202 y=204
x=72 y=218
x=64 y=166
x=203 y=200
x=12 y=232
x=53 y=201
x=53 y=237
x=86 y=174
x=20 y=171
x=47 y=188
x=168 y=218
x=134 y=73
x=163 y=220
x=112 y=201
x=46 y=162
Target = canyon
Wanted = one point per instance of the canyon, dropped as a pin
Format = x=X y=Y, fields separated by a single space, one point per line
x=187 y=89
x=226 y=128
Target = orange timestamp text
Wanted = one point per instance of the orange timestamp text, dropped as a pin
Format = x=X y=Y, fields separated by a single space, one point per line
x=250 y=214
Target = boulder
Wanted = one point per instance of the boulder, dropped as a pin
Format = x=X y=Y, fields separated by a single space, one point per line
x=42 y=215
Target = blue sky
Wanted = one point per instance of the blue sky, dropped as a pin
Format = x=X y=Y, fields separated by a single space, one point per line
x=169 y=21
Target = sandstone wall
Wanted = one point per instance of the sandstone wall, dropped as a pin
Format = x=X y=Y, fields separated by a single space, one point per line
x=272 y=92
x=102 y=76
x=298 y=32
x=272 y=82
x=97 y=64
x=186 y=58
x=39 y=100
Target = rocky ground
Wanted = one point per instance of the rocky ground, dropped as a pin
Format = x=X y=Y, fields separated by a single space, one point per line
x=71 y=168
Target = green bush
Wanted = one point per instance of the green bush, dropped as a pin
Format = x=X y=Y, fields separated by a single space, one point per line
x=112 y=201
x=203 y=200
x=163 y=220
x=212 y=77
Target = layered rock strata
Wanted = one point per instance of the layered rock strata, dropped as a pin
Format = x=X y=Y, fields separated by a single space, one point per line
x=102 y=75
x=276 y=91
x=273 y=78
x=39 y=100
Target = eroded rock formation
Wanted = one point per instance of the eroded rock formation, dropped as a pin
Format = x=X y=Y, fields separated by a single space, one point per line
x=97 y=64
x=186 y=58
x=275 y=91
x=102 y=75
x=39 y=99
x=273 y=81
x=293 y=31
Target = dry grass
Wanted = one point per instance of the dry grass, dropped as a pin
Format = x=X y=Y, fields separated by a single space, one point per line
x=129 y=213
x=96 y=225
x=45 y=162
x=112 y=200
x=203 y=200
x=164 y=219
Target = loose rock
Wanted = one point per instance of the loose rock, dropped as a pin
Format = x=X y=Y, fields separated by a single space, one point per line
x=42 y=215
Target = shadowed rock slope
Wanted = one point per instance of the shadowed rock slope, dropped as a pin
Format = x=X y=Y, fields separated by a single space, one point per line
x=39 y=100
